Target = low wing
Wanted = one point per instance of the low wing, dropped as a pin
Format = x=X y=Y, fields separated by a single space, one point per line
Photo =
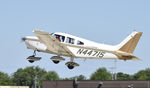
x=52 y=44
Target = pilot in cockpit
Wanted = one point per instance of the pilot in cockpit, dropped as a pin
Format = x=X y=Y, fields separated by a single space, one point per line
x=58 y=37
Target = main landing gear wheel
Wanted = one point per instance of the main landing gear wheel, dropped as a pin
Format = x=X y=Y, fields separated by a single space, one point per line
x=57 y=59
x=31 y=61
x=71 y=65
x=56 y=62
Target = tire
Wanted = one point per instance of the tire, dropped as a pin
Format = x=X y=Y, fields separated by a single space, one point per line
x=70 y=66
x=56 y=62
x=31 y=61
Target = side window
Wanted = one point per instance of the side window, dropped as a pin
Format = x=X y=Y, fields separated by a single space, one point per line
x=63 y=38
x=80 y=43
x=70 y=40
x=59 y=37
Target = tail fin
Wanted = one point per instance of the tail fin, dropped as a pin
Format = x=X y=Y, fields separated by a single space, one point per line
x=129 y=44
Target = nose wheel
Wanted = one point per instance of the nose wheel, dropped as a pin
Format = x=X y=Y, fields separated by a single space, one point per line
x=29 y=59
x=56 y=62
x=57 y=59
x=32 y=58
x=70 y=66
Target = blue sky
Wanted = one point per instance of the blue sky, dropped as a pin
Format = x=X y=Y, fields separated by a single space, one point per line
x=103 y=21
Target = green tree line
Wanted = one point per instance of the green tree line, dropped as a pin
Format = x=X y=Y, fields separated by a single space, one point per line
x=28 y=75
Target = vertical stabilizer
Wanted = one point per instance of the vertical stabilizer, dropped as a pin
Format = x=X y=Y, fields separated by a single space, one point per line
x=129 y=44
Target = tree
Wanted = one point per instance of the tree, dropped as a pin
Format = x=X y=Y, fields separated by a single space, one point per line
x=122 y=76
x=142 y=75
x=4 y=79
x=101 y=74
x=80 y=77
x=27 y=76
x=51 y=75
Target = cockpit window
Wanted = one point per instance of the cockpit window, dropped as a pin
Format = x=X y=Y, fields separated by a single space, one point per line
x=80 y=43
x=60 y=38
x=52 y=33
x=70 y=40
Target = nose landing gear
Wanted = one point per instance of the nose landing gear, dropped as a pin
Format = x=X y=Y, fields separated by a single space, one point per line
x=32 y=58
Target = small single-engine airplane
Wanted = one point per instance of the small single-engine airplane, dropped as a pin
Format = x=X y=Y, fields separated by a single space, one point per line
x=62 y=44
